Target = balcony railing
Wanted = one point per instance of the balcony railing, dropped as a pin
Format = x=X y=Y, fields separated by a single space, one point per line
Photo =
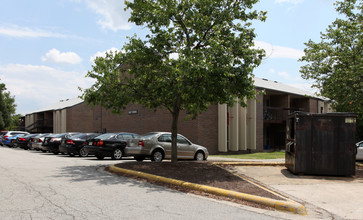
x=277 y=114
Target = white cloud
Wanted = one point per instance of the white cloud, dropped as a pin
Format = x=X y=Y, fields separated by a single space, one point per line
x=289 y=1
x=274 y=51
x=284 y=75
x=36 y=87
x=55 y=56
x=102 y=54
x=21 y=32
x=112 y=13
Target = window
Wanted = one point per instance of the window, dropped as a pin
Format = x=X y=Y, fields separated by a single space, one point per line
x=182 y=140
x=165 y=138
x=124 y=136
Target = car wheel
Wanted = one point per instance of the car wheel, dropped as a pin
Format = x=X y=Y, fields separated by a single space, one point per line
x=157 y=156
x=100 y=157
x=117 y=154
x=71 y=155
x=139 y=158
x=83 y=152
x=56 y=153
x=199 y=156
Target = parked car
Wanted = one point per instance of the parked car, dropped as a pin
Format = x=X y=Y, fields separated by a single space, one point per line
x=157 y=146
x=359 y=155
x=109 y=145
x=75 y=145
x=13 y=140
x=9 y=135
x=24 y=141
x=37 y=141
x=51 y=143
x=2 y=133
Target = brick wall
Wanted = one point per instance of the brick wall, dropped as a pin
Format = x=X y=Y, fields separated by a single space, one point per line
x=203 y=130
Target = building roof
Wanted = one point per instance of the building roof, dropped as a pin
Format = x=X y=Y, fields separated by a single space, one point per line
x=259 y=83
x=62 y=104
x=280 y=87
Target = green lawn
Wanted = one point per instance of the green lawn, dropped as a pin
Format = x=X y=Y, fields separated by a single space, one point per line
x=262 y=155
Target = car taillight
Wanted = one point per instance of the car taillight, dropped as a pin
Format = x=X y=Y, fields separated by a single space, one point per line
x=100 y=143
x=22 y=139
x=6 y=138
x=40 y=140
x=141 y=143
x=85 y=143
x=69 y=142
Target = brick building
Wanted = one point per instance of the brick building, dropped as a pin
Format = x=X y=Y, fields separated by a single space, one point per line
x=221 y=129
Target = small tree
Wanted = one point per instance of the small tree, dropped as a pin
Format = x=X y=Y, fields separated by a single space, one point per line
x=7 y=107
x=198 y=53
x=336 y=63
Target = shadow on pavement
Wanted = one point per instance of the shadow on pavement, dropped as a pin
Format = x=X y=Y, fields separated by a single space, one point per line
x=102 y=177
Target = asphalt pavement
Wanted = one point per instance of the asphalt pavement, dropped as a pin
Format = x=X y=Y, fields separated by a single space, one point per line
x=36 y=185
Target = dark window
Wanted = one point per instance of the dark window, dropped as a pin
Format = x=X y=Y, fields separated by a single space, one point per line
x=124 y=136
x=182 y=140
x=165 y=138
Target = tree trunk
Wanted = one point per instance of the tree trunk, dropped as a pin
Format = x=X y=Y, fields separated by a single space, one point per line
x=174 y=131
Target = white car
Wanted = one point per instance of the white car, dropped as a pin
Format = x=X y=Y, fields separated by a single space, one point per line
x=359 y=150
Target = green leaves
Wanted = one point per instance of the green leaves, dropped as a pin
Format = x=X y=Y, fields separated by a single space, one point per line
x=7 y=108
x=336 y=63
x=198 y=53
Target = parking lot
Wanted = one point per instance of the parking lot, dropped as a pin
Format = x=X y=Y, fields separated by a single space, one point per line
x=325 y=197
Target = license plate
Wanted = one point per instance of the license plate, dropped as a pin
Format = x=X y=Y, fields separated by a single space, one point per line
x=90 y=143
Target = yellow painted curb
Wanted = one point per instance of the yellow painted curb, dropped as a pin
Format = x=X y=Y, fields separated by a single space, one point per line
x=279 y=205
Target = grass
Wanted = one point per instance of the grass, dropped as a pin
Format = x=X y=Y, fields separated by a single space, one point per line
x=262 y=155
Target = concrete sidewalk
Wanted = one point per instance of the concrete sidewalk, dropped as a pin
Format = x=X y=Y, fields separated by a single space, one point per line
x=341 y=196
x=224 y=159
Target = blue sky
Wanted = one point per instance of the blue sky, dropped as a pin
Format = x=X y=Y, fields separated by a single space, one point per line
x=47 y=47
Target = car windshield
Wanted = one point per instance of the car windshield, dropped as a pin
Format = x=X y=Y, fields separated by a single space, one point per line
x=30 y=135
x=148 y=135
x=105 y=136
x=79 y=136
x=43 y=135
x=59 y=135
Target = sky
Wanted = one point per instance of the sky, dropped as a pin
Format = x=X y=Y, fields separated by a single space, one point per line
x=47 y=47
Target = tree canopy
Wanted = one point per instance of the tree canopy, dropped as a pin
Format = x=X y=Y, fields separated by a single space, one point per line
x=7 y=108
x=196 y=53
x=336 y=62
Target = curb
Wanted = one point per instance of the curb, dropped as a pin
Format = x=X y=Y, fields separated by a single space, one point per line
x=279 y=205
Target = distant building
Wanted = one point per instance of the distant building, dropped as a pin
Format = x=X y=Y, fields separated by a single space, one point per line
x=260 y=126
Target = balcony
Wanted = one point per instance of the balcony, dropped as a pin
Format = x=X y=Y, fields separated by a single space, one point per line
x=40 y=126
x=277 y=115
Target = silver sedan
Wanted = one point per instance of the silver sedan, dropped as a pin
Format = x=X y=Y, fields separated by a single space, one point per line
x=359 y=150
x=157 y=146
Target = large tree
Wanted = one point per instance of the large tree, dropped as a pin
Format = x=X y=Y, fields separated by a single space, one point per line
x=336 y=62
x=7 y=108
x=197 y=53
